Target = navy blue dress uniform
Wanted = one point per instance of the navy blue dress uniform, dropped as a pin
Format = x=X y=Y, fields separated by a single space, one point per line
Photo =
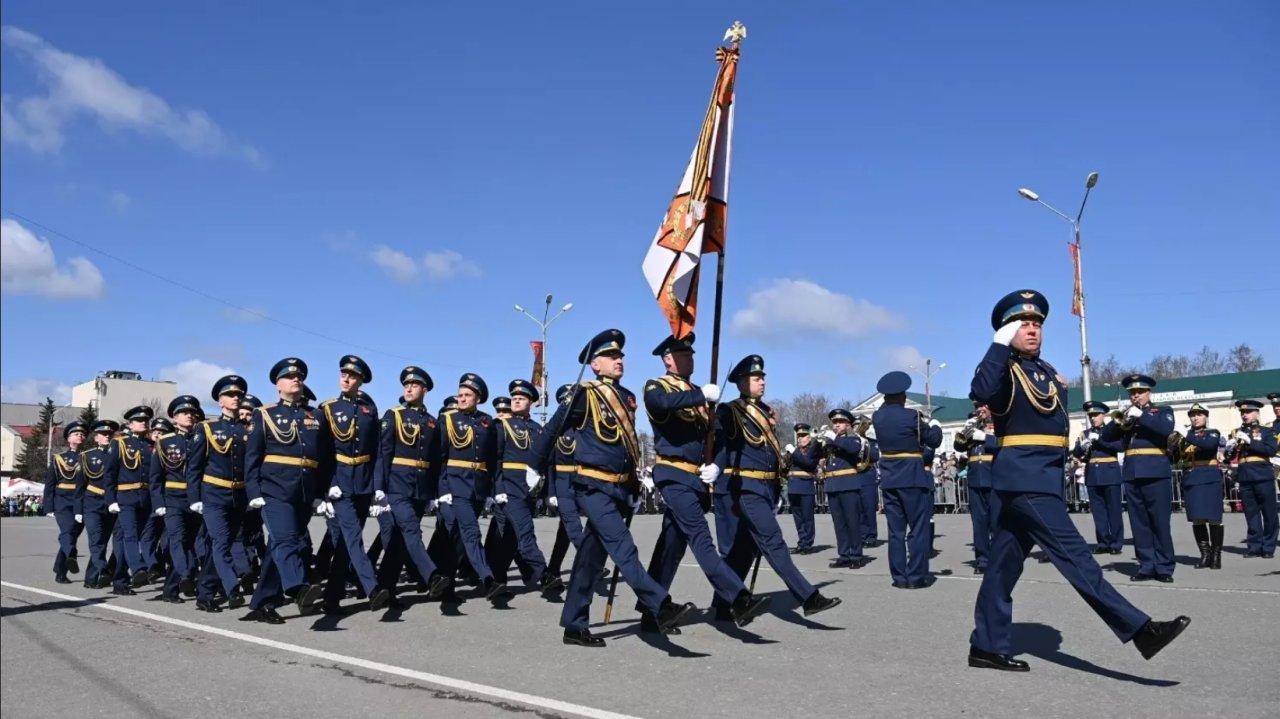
x=601 y=415
x=848 y=456
x=903 y=435
x=215 y=477
x=408 y=474
x=469 y=446
x=1102 y=479
x=1274 y=399
x=92 y=505
x=559 y=487
x=1026 y=397
x=1202 y=487
x=681 y=419
x=746 y=493
x=1253 y=446
x=1148 y=478
x=869 y=490
x=802 y=498
x=978 y=445
x=801 y=463
x=250 y=545
x=167 y=480
x=128 y=458
x=282 y=480
x=348 y=437
x=517 y=436
x=59 y=501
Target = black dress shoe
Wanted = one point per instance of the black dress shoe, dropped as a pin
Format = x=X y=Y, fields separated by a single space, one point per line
x=1142 y=577
x=551 y=584
x=1166 y=578
x=236 y=600
x=672 y=614
x=979 y=570
x=1154 y=636
x=61 y=580
x=818 y=603
x=123 y=591
x=246 y=584
x=172 y=599
x=438 y=585
x=902 y=585
x=309 y=599
x=1252 y=555
x=140 y=579
x=1268 y=555
x=795 y=550
x=649 y=625
x=187 y=586
x=266 y=615
x=746 y=608
x=494 y=590
x=1100 y=550
x=207 y=606
x=73 y=565
x=841 y=563
x=1003 y=662
x=1116 y=551
x=378 y=600
x=582 y=638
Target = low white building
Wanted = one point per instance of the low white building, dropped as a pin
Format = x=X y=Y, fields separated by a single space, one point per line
x=114 y=392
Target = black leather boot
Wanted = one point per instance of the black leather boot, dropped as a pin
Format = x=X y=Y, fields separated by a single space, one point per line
x=1215 y=546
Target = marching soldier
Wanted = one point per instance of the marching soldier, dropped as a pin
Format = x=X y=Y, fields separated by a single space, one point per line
x=407 y=478
x=126 y=485
x=902 y=435
x=348 y=439
x=93 y=508
x=1253 y=446
x=847 y=456
x=560 y=493
x=601 y=414
x=748 y=461
x=446 y=547
x=250 y=545
x=1027 y=473
x=281 y=461
x=498 y=542
x=1102 y=479
x=977 y=443
x=1202 y=486
x=680 y=415
x=1148 y=478
x=171 y=498
x=60 y=490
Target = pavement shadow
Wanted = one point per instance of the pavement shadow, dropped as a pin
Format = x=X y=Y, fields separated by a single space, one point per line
x=1126 y=568
x=733 y=631
x=660 y=642
x=28 y=608
x=783 y=606
x=1045 y=642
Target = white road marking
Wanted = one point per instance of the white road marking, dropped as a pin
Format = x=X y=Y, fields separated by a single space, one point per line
x=461 y=685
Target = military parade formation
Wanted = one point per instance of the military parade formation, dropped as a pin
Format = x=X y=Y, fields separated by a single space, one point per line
x=218 y=509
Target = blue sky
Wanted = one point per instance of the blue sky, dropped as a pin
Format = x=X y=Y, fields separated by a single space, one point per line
x=389 y=180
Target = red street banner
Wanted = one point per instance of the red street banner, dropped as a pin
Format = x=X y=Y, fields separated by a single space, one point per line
x=1077 y=294
x=537 y=367
x=695 y=221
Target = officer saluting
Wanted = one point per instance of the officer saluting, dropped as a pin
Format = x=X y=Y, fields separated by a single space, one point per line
x=1026 y=396
x=281 y=479
x=1102 y=480
x=1253 y=446
x=903 y=436
x=1148 y=477
x=601 y=414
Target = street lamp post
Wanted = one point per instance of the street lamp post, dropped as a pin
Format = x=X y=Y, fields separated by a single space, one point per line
x=929 y=372
x=543 y=324
x=1085 y=362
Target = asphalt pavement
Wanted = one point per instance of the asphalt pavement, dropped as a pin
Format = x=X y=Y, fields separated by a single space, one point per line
x=67 y=651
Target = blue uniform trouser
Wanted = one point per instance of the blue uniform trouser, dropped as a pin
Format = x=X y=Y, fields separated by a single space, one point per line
x=1027 y=520
x=444 y=548
x=98 y=524
x=870 y=507
x=152 y=541
x=802 y=507
x=403 y=541
x=466 y=514
x=130 y=521
x=283 y=570
x=222 y=523
x=120 y=575
x=1107 y=508
x=501 y=545
x=570 y=530
x=908 y=508
x=68 y=532
x=181 y=528
x=349 y=514
x=207 y=583
x=252 y=542
x=1150 y=514
x=520 y=536
x=1259 y=499
x=684 y=523
x=984 y=506
x=846 y=516
x=606 y=536
x=747 y=526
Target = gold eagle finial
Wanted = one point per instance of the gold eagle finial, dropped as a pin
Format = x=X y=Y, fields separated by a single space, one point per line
x=736 y=32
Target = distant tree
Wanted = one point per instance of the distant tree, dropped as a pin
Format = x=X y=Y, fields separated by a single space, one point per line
x=809 y=408
x=158 y=408
x=1208 y=361
x=1168 y=367
x=88 y=417
x=647 y=454
x=1242 y=358
x=33 y=458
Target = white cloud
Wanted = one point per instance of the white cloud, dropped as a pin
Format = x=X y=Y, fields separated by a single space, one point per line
x=790 y=309
x=84 y=86
x=34 y=391
x=195 y=377
x=399 y=266
x=28 y=267
x=902 y=357
x=120 y=201
x=448 y=264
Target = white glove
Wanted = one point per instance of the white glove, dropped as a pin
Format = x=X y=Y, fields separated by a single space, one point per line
x=1242 y=437
x=708 y=473
x=79 y=519
x=531 y=477
x=326 y=508
x=257 y=503
x=934 y=423
x=445 y=499
x=160 y=512
x=432 y=504
x=1133 y=412
x=376 y=509
x=335 y=493
x=870 y=433
x=778 y=507
x=380 y=497
x=829 y=435
x=635 y=504
x=647 y=482
x=978 y=435
x=197 y=507
x=488 y=503
x=500 y=499
x=711 y=392
x=1092 y=436
x=553 y=501
x=1005 y=334
x=114 y=508
x=790 y=448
